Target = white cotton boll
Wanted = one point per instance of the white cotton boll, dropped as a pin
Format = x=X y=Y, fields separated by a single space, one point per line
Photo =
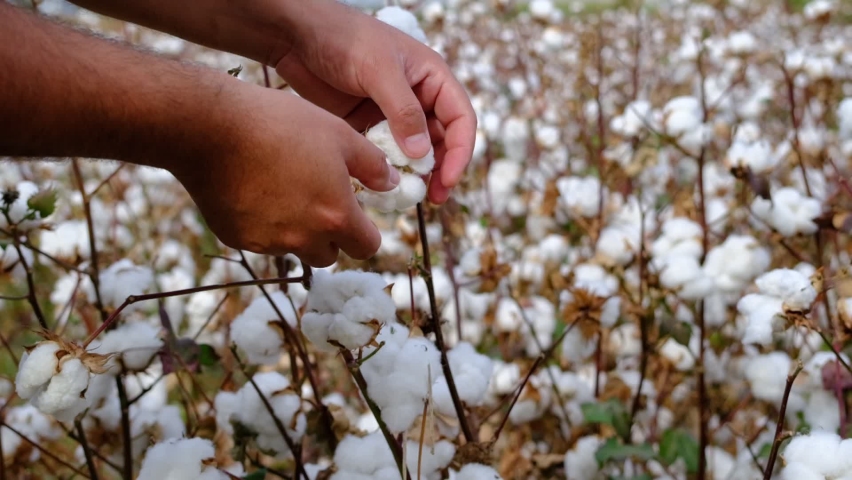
x=821 y=451
x=637 y=115
x=844 y=118
x=678 y=354
x=515 y=135
x=120 y=280
x=163 y=424
x=36 y=368
x=767 y=375
x=347 y=307
x=682 y=115
x=403 y=20
x=756 y=155
x=180 y=459
x=433 y=12
x=684 y=275
x=741 y=42
x=800 y=471
x=680 y=236
x=547 y=136
x=64 y=396
x=762 y=314
x=256 y=331
x=504 y=378
x=67 y=239
x=539 y=315
x=381 y=136
x=534 y=401
x=617 y=244
x=541 y=9
x=253 y=413
x=576 y=348
x=410 y=191
x=471 y=371
x=578 y=196
x=791 y=286
x=137 y=342
x=624 y=341
x=821 y=411
x=366 y=456
x=476 y=471
x=580 y=461
x=736 y=262
x=227 y=404
x=434 y=458
x=819 y=8
x=789 y=212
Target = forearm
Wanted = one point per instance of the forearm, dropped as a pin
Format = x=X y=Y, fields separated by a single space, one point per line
x=64 y=93
x=256 y=29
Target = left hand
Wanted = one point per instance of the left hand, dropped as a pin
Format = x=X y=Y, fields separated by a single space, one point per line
x=364 y=70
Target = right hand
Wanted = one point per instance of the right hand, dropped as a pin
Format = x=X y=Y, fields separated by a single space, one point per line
x=281 y=183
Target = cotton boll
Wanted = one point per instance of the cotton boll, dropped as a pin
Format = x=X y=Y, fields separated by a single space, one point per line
x=791 y=286
x=736 y=262
x=536 y=321
x=136 y=342
x=410 y=191
x=844 y=118
x=579 y=196
x=617 y=244
x=633 y=121
x=36 y=368
x=756 y=155
x=767 y=375
x=381 y=136
x=762 y=317
x=800 y=471
x=476 y=471
x=365 y=456
x=821 y=411
x=678 y=354
x=471 y=371
x=256 y=331
x=789 y=212
x=180 y=458
x=68 y=239
x=403 y=20
x=580 y=461
x=120 y=280
x=434 y=458
x=64 y=396
x=541 y=9
x=253 y=414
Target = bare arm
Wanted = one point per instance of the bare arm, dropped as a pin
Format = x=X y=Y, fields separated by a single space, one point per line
x=64 y=93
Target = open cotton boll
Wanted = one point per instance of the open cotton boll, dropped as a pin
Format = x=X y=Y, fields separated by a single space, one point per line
x=788 y=212
x=791 y=286
x=472 y=374
x=678 y=354
x=617 y=244
x=767 y=375
x=538 y=314
x=633 y=121
x=183 y=459
x=800 y=471
x=476 y=471
x=347 y=308
x=679 y=236
x=410 y=191
x=253 y=414
x=684 y=275
x=120 y=280
x=36 y=368
x=579 y=196
x=580 y=461
x=736 y=262
x=64 y=397
x=844 y=118
x=367 y=457
x=256 y=330
x=756 y=155
x=137 y=342
x=403 y=20
x=434 y=458
x=380 y=135
x=822 y=452
x=762 y=314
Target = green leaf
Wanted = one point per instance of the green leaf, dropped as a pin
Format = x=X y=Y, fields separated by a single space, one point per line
x=677 y=443
x=597 y=413
x=43 y=203
x=613 y=449
x=681 y=332
x=256 y=475
x=207 y=355
x=765 y=450
x=612 y=413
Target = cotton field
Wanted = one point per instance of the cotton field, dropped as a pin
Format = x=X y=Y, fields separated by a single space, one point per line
x=646 y=273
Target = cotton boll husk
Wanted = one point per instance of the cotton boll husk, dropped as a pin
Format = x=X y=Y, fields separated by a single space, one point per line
x=254 y=330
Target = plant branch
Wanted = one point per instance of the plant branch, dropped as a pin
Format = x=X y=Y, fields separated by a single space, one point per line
x=84 y=444
x=517 y=395
x=779 y=426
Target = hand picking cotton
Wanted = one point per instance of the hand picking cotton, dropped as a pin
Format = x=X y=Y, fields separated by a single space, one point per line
x=411 y=189
x=347 y=309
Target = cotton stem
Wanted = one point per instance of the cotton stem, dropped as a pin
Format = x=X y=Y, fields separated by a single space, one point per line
x=779 y=425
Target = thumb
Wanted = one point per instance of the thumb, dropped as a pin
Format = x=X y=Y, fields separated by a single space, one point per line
x=368 y=164
x=405 y=115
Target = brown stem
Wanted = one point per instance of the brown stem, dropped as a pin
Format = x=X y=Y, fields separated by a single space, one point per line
x=45 y=451
x=436 y=324
x=84 y=444
x=352 y=366
x=296 y=450
x=31 y=293
x=779 y=426
x=94 y=272
x=517 y=395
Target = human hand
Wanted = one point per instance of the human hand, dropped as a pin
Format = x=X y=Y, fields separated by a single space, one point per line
x=282 y=183
x=364 y=70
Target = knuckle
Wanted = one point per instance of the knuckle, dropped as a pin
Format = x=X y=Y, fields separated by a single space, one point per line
x=335 y=221
x=410 y=113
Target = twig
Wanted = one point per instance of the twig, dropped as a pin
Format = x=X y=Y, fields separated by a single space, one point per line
x=94 y=272
x=703 y=414
x=439 y=335
x=422 y=437
x=352 y=366
x=779 y=426
x=84 y=444
x=31 y=293
x=297 y=450
x=187 y=291
x=45 y=451
x=517 y=395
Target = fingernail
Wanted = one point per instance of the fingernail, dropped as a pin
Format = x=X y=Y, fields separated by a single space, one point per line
x=418 y=143
x=393 y=176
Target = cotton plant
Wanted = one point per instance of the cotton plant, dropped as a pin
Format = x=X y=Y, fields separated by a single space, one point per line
x=257 y=331
x=788 y=212
x=119 y=281
x=132 y=346
x=181 y=458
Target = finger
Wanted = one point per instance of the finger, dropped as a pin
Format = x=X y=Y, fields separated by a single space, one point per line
x=361 y=238
x=320 y=256
x=368 y=163
x=453 y=109
x=389 y=88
